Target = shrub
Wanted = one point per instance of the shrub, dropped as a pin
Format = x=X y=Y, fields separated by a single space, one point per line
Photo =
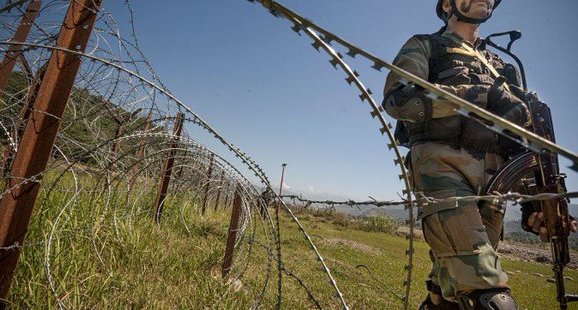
x=378 y=224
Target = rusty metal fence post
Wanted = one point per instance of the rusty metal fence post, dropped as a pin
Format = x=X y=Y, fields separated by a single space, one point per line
x=168 y=168
x=38 y=137
x=232 y=237
x=21 y=35
x=279 y=263
x=25 y=112
x=220 y=189
x=230 y=198
x=114 y=150
x=139 y=152
x=7 y=65
x=207 y=185
x=226 y=196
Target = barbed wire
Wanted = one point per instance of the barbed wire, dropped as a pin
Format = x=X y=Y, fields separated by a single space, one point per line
x=114 y=138
x=108 y=163
x=351 y=203
x=109 y=156
x=498 y=125
x=323 y=39
x=422 y=199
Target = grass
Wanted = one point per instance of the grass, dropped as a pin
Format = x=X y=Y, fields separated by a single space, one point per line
x=107 y=255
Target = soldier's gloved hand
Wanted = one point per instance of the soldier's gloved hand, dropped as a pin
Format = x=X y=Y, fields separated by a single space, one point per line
x=536 y=223
x=506 y=105
x=517 y=114
x=519 y=92
x=497 y=94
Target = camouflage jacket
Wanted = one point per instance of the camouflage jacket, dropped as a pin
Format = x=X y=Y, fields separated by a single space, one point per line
x=414 y=57
x=457 y=66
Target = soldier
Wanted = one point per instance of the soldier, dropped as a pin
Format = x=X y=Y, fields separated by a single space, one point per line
x=454 y=156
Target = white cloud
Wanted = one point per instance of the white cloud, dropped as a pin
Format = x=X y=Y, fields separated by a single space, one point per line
x=311 y=188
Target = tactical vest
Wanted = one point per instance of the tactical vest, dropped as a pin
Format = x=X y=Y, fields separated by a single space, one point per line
x=448 y=59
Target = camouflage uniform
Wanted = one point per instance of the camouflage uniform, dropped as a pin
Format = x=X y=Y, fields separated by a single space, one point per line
x=452 y=156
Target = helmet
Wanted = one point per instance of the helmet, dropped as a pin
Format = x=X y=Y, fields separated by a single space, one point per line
x=460 y=16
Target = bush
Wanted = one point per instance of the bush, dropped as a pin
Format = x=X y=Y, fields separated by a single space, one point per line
x=374 y=223
x=378 y=224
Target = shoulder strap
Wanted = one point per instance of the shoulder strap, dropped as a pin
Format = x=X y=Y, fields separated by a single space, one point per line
x=474 y=53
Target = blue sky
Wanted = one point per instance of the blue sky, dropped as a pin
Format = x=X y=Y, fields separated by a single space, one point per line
x=268 y=92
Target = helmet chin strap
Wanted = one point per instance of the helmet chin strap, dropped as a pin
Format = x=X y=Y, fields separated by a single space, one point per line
x=462 y=18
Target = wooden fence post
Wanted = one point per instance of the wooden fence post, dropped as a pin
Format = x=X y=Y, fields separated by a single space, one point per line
x=207 y=185
x=233 y=228
x=38 y=137
x=168 y=169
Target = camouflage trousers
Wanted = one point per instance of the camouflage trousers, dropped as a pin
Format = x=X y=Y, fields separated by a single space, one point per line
x=463 y=236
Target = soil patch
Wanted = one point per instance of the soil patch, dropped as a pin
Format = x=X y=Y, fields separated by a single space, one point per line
x=352 y=244
x=532 y=253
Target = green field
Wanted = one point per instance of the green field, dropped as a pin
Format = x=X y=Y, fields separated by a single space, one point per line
x=107 y=255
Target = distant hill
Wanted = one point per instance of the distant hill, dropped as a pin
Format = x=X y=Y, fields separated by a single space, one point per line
x=511 y=220
x=396 y=212
x=87 y=121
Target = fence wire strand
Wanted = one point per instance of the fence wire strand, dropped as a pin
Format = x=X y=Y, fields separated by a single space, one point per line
x=103 y=180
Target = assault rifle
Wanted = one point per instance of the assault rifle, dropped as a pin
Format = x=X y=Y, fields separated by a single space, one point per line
x=539 y=173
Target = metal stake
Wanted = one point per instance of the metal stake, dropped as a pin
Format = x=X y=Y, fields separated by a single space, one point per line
x=24 y=116
x=232 y=237
x=140 y=152
x=220 y=189
x=14 y=51
x=113 y=153
x=168 y=169
x=281 y=186
x=38 y=138
x=209 y=172
x=279 y=263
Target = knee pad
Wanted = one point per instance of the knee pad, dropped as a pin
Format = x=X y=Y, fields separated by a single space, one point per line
x=491 y=299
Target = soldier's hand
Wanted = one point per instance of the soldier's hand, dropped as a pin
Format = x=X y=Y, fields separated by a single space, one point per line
x=536 y=221
x=505 y=104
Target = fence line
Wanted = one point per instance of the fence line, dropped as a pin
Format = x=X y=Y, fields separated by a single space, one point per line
x=114 y=140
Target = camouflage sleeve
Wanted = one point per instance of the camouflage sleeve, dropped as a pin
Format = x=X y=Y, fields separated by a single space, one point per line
x=414 y=58
x=408 y=103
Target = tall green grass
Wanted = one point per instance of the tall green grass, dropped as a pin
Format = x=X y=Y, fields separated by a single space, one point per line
x=105 y=252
